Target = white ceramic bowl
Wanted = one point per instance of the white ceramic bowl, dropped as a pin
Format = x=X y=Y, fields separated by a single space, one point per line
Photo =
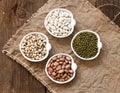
x=73 y=66
x=99 y=45
x=48 y=47
x=73 y=22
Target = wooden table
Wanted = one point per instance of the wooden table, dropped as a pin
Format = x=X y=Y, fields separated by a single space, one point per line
x=13 y=13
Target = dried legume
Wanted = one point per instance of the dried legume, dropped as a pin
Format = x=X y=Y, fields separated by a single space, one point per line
x=34 y=46
x=59 y=23
x=59 y=68
x=85 y=44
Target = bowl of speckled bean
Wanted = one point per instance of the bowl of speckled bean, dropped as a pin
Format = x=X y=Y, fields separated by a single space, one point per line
x=35 y=46
x=61 y=68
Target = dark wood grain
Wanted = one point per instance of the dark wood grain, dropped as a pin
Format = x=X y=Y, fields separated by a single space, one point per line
x=13 y=77
x=13 y=13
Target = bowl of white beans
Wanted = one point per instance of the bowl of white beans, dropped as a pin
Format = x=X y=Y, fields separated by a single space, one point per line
x=60 y=23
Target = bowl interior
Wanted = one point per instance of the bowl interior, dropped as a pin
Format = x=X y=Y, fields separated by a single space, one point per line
x=99 y=44
x=47 y=43
x=73 y=22
x=73 y=68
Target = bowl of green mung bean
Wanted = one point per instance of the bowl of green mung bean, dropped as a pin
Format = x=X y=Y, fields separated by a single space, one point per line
x=86 y=44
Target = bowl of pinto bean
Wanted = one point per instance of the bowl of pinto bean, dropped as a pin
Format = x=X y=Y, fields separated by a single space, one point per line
x=61 y=68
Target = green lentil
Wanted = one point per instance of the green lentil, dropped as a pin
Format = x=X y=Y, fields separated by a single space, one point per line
x=85 y=44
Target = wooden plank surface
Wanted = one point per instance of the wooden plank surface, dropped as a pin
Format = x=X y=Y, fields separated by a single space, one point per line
x=13 y=13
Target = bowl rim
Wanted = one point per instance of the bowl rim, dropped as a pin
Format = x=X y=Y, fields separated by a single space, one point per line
x=47 y=44
x=74 y=69
x=99 y=44
x=73 y=22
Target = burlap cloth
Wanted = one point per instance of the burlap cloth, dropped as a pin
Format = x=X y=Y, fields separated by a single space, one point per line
x=101 y=75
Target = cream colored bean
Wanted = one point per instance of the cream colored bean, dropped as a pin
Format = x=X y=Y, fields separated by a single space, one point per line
x=59 y=21
x=34 y=46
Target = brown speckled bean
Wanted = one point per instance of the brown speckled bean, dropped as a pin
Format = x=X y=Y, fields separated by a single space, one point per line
x=59 y=68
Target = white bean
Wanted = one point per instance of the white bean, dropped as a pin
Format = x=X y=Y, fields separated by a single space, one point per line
x=59 y=21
